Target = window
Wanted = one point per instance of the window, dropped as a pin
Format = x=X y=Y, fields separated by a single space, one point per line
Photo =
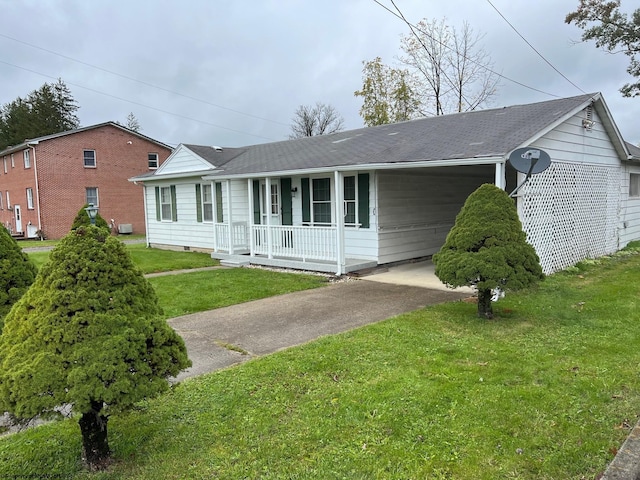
x=92 y=196
x=13 y=163
x=27 y=158
x=634 y=185
x=153 y=160
x=165 y=203
x=8 y=200
x=89 y=158
x=207 y=203
x=4 y=161
x=1 y=202
x=30 y=198
x=219 y=212
x=350 y=201
x=275 y=205
x=321 y=200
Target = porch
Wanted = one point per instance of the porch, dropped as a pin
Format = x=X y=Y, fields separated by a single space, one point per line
x=316 y=248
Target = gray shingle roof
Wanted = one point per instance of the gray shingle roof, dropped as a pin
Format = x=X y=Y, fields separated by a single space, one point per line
x=484 y=133
x=216 y=156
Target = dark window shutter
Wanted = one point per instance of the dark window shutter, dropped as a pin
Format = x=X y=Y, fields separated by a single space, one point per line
x=363 y=199
x=306 y=201
x=174 y=206
x=256 y=202
x=287 y=203
x=158 y=204
x=198 y=203
x=219 y=212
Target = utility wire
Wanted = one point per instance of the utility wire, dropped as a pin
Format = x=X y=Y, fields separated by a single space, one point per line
x=111 y=72
x=533 y=48
x=138 y=103
x=469 y=59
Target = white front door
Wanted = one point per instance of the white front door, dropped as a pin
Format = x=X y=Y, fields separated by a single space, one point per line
x=18 y=215
x=270 y=203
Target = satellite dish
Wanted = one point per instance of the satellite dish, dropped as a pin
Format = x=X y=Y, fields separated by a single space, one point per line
x=529 y=161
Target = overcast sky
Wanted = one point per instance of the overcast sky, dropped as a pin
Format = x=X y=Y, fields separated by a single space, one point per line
x=232 y=72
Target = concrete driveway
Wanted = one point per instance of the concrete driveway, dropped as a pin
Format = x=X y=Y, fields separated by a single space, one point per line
x=217 y=338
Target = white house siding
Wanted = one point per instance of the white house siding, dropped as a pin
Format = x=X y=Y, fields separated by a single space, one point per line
x=183 y=160
x=630 y=211
x=187 y=231
x=417 y=207
x=571 y=210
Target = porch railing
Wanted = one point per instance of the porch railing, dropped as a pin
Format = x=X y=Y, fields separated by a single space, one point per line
x=307 y=243
x=239 y=235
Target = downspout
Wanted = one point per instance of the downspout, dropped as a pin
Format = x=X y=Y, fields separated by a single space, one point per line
x=146 y=213
x=35 y=174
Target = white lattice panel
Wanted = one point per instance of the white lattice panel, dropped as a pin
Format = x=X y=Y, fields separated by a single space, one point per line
x=570 y=212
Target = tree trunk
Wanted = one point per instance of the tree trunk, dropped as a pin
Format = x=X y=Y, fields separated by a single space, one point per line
x=95 y=445
x=485 y=307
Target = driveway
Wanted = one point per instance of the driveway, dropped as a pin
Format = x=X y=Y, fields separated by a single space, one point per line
x=226 y=336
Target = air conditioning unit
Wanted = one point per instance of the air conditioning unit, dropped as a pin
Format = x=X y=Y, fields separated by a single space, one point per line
x=125 y=228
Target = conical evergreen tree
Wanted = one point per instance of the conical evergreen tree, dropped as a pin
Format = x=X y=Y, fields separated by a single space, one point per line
x=487 y=248
x=82 y=219
x=88 y=333
x=17 y=273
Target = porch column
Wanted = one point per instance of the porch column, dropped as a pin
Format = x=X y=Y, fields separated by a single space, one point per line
x=339 y=187
x=214 y=198
x=267 y=209
x=251 y=237
x=230 y=217
x=500 y=180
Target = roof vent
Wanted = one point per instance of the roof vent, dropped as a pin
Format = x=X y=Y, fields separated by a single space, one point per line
x=216 y=148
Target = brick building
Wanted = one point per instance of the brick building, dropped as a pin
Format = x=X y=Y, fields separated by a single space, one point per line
x=45 y=181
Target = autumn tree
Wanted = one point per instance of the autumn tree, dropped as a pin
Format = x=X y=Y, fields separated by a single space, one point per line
x=47 y=110
x=17 y=273
x=487 y=248
x=388 y=94
x=88 y=333
x=321 y=119
x=453 y=70
x=613 y=31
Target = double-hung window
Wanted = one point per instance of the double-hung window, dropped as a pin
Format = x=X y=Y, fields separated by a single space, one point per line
x=89 y=158
x=92 y=196
x=207 y=203
x=27 y=158
x=350 y=211
x=165 y=203
x=634 y=184
x=321 y=201
x=153 y=160
x=1 y=202
x=30 y=198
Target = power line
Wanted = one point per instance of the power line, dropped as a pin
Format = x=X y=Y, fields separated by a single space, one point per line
x=469 y=59
x=139 y=104
x=533 y=48
x=111 y=72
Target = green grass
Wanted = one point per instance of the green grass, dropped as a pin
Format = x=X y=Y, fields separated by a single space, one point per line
x=546 y=390
x=151 y=260
x=206 y=290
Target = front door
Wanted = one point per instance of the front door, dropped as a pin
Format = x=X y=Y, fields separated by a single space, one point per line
x=18 y=215
x=269 y=203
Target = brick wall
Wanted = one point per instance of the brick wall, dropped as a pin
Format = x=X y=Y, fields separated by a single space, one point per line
x=16 y=180
x=63 y=179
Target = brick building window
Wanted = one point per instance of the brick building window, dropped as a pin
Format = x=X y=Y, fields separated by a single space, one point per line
x=4 y=161
x=13 y=163
x=8 y=200
x=1 y=202
x=89 y=158
x=30 y=198
x=92 y=196
x=27 y=158
x=153 y=160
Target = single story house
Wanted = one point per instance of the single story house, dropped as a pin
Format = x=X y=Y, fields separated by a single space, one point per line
x=372 y=196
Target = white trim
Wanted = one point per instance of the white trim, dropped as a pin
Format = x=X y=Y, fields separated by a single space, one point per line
x=339 y=194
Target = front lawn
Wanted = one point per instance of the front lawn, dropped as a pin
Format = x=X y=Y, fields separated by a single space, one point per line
x=546 y=390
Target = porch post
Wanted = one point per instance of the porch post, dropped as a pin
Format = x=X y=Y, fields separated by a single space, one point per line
x=251 y=237
x=500 y=180
x=267 y=209
x=229 y=216
x=339 y=187
x=214 y=198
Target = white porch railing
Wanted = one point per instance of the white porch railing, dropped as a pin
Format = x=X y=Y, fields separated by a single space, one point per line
x=239 y=233
x=307 y=243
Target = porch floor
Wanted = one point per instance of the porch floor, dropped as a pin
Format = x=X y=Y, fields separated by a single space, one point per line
x=352 y=264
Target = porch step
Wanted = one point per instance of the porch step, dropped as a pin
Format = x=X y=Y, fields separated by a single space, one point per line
x=365 y=272
x=232 y=262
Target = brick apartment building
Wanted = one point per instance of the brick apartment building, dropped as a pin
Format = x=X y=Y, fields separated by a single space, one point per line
x=45 y=181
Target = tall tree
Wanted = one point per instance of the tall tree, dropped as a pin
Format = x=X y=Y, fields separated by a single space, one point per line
x=88 y=333
x=388 y=94
x=454 y=71
x=49 y=109
x=132 y=123
x=321 y=119
x=613 y=31
x=487 y=249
